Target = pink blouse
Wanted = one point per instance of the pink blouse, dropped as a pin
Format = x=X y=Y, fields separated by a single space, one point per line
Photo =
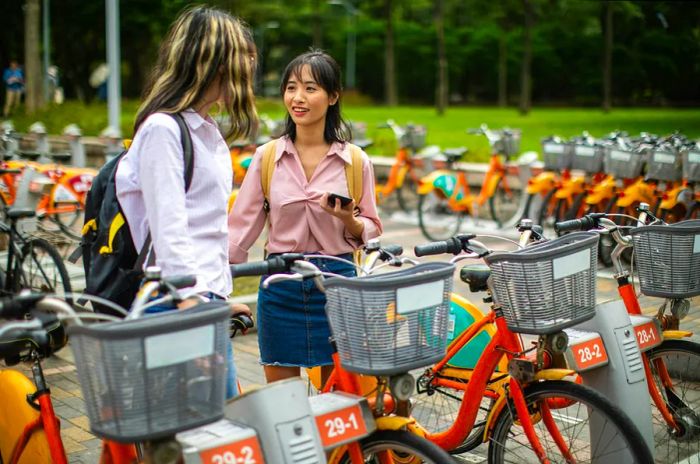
x=297 y=221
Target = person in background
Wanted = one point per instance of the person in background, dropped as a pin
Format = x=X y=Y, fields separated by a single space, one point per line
x=14 y=86
x=310 y=159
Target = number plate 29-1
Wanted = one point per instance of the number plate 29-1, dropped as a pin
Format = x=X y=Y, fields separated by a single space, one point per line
x=341 y=426
x=245 y=451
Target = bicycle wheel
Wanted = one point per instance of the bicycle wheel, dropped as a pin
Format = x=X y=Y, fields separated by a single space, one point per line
x=681 y=359
x=42 y=269
x=436 y=219
x=616 y=434
x=399 y=447
x=548 y=209
x=436 y=409
x=693 y=211
x=504 y=202
x=407 y=194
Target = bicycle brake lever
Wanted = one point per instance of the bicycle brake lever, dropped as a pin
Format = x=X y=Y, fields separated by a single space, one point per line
x=281 y=277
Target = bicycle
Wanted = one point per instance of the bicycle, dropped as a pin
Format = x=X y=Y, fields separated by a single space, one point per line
x=667 y=268
x=544 y=390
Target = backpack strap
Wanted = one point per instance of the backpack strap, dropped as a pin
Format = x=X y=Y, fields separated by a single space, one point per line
x=353 y=173
x=267 y=167
x=188 y=155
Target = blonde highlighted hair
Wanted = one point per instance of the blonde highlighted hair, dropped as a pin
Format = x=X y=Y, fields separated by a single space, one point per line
x=204 y=43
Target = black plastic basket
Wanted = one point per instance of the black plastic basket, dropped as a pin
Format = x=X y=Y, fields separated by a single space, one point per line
x=664 y=165
x=588 y=158
x=668 y=259
x=548 y=287
x=623 y=164
x=691 y=165
x=556 y=156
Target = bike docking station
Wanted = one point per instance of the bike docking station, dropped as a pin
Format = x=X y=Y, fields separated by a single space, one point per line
x=279 y=424
x=609 y=341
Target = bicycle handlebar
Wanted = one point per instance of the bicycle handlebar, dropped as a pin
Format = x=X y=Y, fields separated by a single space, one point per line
x=16 y=307
x=454 y=245
x=587 y=222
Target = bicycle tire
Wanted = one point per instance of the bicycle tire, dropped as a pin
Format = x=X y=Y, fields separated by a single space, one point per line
x=693 y=211
x=405 y=447
x=507 y=432
x=502 y=204
x=407 y=194
x=437 y=410
x=682 y=361
x=548 y=209
x=42 y=273
x=436 y=219
x=606 y=244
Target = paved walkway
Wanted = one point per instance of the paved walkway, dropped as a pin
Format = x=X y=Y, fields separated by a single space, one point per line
x=83 y=447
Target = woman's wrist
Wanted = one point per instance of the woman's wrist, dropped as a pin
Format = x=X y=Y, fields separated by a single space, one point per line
x=355 y=226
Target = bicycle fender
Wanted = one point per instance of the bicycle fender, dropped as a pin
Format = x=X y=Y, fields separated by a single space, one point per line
x=401 y=176
x=492 y=183
x=676 y=334
x=553 y=374
x=495 y=411
x=396 y=423
x=541 y=183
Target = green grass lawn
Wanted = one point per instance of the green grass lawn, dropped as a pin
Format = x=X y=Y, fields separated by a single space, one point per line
x=446 y=131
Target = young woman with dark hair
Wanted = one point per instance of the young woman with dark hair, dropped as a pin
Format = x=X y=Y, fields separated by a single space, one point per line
x=206 y=59
x=310 y=161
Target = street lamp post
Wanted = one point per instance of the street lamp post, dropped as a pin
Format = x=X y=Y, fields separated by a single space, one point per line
x=351 y=49
x=114 y=79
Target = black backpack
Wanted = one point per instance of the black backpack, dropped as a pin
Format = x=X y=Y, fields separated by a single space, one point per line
x=113 y=268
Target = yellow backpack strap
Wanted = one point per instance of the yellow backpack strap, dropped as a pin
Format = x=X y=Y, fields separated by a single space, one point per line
x=267 y=167
x=353 y=173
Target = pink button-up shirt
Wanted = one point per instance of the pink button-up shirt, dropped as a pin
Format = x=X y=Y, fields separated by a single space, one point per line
x=297 y=221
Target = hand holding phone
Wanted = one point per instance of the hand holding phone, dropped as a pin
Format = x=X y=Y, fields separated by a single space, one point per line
x=344 y=201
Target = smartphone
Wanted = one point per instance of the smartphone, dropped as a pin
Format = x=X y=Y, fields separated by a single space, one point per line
x=344 y=201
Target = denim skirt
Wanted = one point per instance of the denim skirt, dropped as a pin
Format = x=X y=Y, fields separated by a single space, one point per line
x=293 y=328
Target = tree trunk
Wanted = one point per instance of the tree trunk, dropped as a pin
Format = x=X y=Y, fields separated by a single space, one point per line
x=317 y=25
x=607 y=55
x=503 y=70
x=526 y=70
x=390 y=94
x=32 y=60
x=442 y=84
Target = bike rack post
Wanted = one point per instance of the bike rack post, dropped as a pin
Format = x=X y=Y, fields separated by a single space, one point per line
x=77 y=149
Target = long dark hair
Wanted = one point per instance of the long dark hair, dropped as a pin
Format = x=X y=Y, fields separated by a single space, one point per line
x=326 y=73
x=200 y=44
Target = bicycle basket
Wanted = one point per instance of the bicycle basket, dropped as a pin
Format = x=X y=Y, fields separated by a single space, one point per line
x=510 y=143
x=545 y=288
x=152 y=377
x=623 y=164
x=391 y=323
x=664 y=165
x=556 y=156
x=414 y=137
x=668 y=259
x=691 y=165
x=588 y=158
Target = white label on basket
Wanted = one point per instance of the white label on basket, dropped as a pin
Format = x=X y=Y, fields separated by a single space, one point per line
x=696 y=244
x=410 y=299
x=572 y=264
x=553 y=148
x=694 y=157
x=667 y=158
x=620 y=155
x=585 y=151
x=177 y=347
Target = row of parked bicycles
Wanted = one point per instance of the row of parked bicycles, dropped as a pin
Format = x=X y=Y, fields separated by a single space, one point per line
x=546 y=375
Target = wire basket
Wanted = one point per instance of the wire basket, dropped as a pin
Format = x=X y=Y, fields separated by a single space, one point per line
x=548 y=287
x=152 y=377
x=664 y=165
x=588 y=158
x=691 y=165
x=509 y=143
x=668 y=259
x=557 y=156
x=623 y=164
x=391 y=323
x=414 y=137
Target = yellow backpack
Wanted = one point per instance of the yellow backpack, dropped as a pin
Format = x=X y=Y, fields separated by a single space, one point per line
x=353 y=172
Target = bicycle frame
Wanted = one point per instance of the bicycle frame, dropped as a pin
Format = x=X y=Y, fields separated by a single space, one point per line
x=402 y=166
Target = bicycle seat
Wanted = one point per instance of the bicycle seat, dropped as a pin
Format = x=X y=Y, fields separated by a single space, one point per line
x=10 y=171
x=30 y=155
x=45 y=341
x=477 y=276
x=19 y=213
x=454 y=154
x=61 y=156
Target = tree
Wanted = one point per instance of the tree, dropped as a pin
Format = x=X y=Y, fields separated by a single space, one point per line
x=390 y=93
x=442 y=84
x=526 y=68
x=607 y=27
x=32 y=62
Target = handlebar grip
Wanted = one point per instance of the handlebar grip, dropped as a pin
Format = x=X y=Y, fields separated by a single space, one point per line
x=17 y=306
x=256 y=268
x=432 y=248
x=585 y=223
x=182 y=281
x=241 y=321
x=396 y=250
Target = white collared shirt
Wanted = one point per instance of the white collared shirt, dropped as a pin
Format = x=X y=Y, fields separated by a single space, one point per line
x=189 y=230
